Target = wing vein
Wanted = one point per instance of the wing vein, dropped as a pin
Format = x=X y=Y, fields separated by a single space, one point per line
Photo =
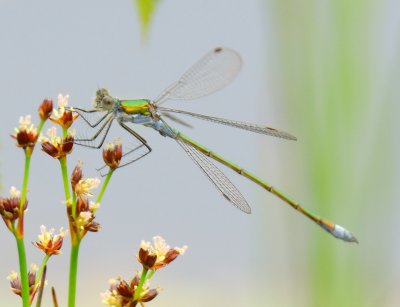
x=217 y=177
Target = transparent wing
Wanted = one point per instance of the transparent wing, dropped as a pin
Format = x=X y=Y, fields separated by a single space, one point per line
x=221 y=182
x=234 y=123
x=176 y=120
x=211 y=73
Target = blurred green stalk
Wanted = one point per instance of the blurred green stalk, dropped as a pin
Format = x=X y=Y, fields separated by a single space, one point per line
x=326 y=67
x=146 y=10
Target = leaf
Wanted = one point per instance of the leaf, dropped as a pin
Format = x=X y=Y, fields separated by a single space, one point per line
x=146 y=10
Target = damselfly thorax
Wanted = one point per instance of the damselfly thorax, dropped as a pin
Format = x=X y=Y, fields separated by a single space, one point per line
x=136 y=111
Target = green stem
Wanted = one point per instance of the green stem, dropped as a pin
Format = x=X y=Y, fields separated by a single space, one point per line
x=40 y=126
x=40 y=271
x=140 y=285
x=73 y=270
x=23 y=271
x=150 y=274
x=104 y=186
x=20 y=228
x=19 y=234
x=65 y=132
x=64 y=171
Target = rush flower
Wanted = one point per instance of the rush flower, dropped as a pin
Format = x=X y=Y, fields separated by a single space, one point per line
x=159 y=255
x=76 y=175
x=84 y=186
x=49 y=242
x=9 y=207
x=63 y=117
x=122 y=293
x=26 y=134
x=84 y=221
x=15 y=281
x=45 y=109
x=56 y=146
x=112 y=154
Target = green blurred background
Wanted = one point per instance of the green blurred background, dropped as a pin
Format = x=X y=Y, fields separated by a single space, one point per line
x=326 y=71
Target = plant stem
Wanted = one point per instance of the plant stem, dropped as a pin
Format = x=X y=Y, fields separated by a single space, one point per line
x=23 y=269
x=64 y=171
x=40 y=126
x=150 y=274
x=20 y=227
x=73 y=270
x=104 y=186
x=40 y=271
x=41 y=288
x=54 y=296
x=19 y=234
x=140 y=285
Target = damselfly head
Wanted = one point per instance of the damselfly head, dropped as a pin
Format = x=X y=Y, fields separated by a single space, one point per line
x=103 y=100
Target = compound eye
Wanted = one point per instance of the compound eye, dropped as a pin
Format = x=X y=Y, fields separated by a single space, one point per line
x=107 y=101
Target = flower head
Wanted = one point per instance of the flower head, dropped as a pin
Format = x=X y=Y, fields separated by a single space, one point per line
x=84 y=220
x=56 y=146
x=159 y=255
x=50 y=243
x=45 y=109
x=63 y=117
x=76 y=175
x=112 y=154
x=26 y=134
x=122 y=293
x=84 y=186
x=15 y=281
x=10 y=207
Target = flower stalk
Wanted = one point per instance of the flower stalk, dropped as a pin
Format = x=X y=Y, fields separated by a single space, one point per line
x=140 y=285
x=23 y=269
x=73 y=270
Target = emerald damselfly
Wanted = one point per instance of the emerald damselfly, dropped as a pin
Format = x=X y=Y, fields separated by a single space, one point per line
x=212 y=72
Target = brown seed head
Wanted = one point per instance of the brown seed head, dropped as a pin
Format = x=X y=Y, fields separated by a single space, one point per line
x=163 y=253
x=146 y=258
x=76 y=175
x=56 y=146
x=15 y=281
x=149 y=295
x=63 y=117
x=9 y=207
x=26 y=134
x=45 y=109
x=112 y=154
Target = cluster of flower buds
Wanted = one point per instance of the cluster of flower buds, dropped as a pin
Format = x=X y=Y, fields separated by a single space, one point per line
x=56 y=146
x=45 y=109
x=159 y=255
x=137 y=290
x=112 y=154
x=123 y=293
x=10 y=207
x=15 y=281
x=49 y=242
x=26 y=134
x=85 y=209
x=63 y=116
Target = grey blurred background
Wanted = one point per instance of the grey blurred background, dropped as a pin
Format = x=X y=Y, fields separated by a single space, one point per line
x=270 y=258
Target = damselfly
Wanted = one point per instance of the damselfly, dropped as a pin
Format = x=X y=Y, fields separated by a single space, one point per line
x=211 y=73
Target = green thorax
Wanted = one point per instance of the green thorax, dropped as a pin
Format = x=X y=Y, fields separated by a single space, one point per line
x=136 y=106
